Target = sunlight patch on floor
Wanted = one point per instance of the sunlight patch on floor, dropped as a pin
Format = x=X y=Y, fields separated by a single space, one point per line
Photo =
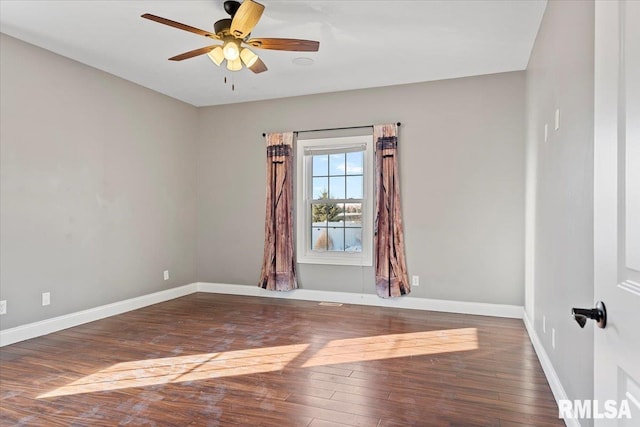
x=395 y=345
x=142 y=373
x=196 y=367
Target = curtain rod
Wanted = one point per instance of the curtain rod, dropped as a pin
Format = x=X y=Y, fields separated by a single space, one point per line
x=343 y=128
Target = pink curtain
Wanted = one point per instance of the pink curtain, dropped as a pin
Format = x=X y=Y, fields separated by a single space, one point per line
x=279 y=265
x=392 y=279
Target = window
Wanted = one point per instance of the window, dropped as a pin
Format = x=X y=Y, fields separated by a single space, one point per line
x=335 y=200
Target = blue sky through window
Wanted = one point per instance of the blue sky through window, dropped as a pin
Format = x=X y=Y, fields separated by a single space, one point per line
x=338 y=175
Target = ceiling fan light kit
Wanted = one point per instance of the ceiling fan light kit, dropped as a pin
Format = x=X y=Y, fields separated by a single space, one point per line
x=234 y=33
x=231 y=50
x=234 y=65
x=248 y=57
x=216 y=55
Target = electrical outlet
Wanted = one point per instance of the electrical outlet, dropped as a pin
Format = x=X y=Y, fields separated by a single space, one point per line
x=46 y=298
x=553 y=338
x=166 y=275
x=3 y=307
x=557 y=119
x=544 y=324
x=415 y=280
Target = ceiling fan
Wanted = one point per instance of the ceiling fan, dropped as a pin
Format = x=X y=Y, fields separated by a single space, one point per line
x=234 y=34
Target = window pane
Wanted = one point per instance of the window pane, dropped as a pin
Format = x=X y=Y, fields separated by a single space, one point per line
x=336 y=187
x=353 y=215
x=319 y=239
x=355 y=163
x=320 y=165
x=353 y=240
x=335 y=215
x=354 y=187
x=337 y=164
x=326 y=212
x=320 y=188
x=336 y=239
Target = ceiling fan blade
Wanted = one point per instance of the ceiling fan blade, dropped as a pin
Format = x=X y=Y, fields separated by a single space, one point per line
x=246 y=17
x=178 y=25
x=258 y=66
x=286 y=44
x=193 y=53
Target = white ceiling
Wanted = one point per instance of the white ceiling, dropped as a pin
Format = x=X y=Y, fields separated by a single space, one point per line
x=362 y=43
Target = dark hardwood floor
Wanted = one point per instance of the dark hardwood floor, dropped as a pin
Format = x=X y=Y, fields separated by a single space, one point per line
x=220 y=360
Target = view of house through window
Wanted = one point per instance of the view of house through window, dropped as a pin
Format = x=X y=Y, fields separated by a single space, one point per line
x=336 y=207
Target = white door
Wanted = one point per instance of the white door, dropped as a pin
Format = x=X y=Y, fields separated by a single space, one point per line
x=617 y=208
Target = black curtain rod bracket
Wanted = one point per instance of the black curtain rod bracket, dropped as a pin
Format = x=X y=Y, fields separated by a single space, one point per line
x=343 y=128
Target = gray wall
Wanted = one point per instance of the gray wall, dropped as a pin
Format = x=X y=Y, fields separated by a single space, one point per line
x=462 y=177
x=98 y=186
x=560 y=188
x=105 y=184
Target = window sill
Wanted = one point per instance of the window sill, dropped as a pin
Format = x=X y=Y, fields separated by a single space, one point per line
x=356 y=260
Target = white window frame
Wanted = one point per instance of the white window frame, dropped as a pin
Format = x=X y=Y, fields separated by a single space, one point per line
x=304 y=190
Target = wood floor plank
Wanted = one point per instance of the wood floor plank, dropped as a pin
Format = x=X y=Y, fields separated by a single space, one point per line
x=225 y=360
x=322 y=423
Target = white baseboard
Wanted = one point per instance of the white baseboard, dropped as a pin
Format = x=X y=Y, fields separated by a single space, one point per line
x=463 y=307
x=547 y=367
x=44 y=327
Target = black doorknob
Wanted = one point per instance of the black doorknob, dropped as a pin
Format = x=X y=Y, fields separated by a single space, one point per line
x=599 y=314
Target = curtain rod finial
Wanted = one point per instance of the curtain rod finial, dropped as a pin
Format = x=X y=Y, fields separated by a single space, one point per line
x=264 y=134
x=399 y=123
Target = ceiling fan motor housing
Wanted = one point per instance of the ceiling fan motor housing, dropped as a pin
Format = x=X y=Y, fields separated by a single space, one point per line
x=222 y=26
